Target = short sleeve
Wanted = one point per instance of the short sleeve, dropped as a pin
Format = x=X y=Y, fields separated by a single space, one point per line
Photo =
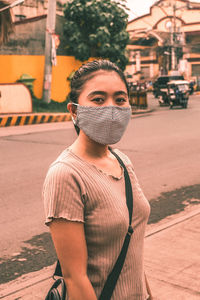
x=63 y=194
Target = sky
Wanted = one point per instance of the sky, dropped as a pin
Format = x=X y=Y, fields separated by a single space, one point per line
x=141 y=7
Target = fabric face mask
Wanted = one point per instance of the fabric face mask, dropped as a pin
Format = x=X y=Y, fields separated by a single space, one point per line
x=104 y=125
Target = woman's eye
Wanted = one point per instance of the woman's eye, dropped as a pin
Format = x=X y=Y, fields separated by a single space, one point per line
x=121 y=100
x=98 y=100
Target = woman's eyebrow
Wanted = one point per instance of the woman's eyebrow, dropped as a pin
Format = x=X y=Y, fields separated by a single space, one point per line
x=97 y=93
x=120 y=93
x=104 y=93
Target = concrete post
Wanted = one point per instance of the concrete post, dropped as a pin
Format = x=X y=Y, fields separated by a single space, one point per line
x=50 y=29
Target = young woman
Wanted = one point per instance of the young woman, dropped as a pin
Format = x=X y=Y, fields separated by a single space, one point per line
x=84 y=191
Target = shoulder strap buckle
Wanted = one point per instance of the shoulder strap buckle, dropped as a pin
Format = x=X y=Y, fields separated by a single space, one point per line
x=130 y=230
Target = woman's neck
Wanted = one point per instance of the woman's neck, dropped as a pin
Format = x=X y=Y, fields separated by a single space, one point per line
x=85 y=147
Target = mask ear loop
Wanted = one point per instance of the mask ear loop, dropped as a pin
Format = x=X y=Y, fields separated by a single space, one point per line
x=77 y=129
x=74 y=122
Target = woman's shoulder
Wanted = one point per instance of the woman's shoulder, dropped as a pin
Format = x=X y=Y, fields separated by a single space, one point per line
x=123 y=156
x=65 y=163
x=65 y=172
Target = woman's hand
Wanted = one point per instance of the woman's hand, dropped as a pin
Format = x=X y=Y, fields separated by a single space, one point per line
x=71 y=249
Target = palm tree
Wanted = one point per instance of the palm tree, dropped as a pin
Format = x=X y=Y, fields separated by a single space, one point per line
x=6 y=25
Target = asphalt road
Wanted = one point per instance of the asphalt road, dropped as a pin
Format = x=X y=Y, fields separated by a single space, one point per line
x=164 y=146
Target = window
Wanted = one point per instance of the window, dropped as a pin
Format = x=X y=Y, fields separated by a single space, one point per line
x=196 y=70
x=19 y=17
x=145 y=52
x=145 y=72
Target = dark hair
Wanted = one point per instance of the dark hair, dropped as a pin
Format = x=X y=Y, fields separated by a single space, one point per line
x=85 y=72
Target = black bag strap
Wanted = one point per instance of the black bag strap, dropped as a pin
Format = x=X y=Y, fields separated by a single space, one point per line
x=114 y=275
x=111 y=281
x=54 y=294
x=128 y=187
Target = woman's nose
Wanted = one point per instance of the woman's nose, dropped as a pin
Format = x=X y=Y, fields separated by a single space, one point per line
x=110 y=101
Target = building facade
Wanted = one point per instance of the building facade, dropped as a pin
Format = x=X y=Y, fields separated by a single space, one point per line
x=34 y=8
x=28 y=37
x=166 y=40
x=23 y=53
x=29 y=19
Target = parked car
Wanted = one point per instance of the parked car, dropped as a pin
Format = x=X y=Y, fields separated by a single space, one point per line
x=160 y=86
x=178 y=93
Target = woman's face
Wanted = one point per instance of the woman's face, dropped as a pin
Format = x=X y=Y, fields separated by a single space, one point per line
x=104 y=89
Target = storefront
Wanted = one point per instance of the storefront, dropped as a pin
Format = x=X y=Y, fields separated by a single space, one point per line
x=166 y=40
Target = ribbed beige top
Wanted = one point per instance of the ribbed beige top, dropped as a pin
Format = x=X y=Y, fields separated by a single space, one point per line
x=76 y=190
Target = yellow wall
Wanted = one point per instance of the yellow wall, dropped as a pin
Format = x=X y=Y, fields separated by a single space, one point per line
x=60 y=73
x=13 y=66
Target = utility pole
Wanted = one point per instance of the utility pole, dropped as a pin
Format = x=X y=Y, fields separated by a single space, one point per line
x=173 y=59
x=50 y=29
x=174 y=29
x=173 y=39
x=174 y=35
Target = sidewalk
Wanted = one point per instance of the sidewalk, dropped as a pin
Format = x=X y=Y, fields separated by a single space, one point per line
x=172 y=258
x=172 y=263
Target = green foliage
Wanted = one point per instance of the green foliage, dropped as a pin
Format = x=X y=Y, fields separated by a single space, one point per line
x=97 y=28
x=53 y=106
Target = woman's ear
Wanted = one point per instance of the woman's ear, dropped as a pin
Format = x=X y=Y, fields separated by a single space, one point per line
x=72 y=109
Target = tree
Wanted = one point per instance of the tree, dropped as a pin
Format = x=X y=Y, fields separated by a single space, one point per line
x=97 y=28
x=6 y=26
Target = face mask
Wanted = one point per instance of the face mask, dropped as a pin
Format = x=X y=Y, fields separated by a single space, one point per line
x=104 y=125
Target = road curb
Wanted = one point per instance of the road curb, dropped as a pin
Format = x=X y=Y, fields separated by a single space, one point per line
x=39 y=118
x=142 y=111
x=25 y=281
x=172 y=223
x=32 y=118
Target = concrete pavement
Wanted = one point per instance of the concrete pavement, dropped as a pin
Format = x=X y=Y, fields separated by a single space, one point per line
x=172 y=263
x=172 y=258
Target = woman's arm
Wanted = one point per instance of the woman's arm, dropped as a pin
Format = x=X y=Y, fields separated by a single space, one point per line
x=69 y=241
